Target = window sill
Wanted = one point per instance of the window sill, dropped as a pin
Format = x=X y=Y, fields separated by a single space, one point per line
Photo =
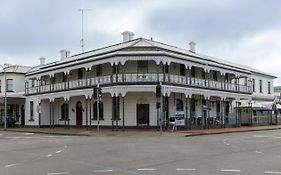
x=31 y=120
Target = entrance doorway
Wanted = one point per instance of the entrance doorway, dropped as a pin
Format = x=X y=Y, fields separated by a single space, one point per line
x=22 y=115
x=142 y=114
x=79 y=113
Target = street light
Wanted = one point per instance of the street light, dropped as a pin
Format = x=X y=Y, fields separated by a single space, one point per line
x=5 y=102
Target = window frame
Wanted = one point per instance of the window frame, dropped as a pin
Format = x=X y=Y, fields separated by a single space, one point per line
x=269 y=87
x=101 y=111
x=31 y=109
x=254 y=85
x=260 y=85
x=7 y=85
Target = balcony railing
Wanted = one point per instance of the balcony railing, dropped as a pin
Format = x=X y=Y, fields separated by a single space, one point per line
x=138 y=78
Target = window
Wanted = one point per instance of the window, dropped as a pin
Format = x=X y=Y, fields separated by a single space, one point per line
x=64 y=112
x=99 y=70
x=31 y=107
x=179 y=105
x=142 y=66
x=268 y=88
x=10 y=85
x=166 y=68
x=260 y=86
x=95 y=116
x=115 y=108
x=192 y=71
x=254 y=85
x=215 y=76
x=115 y=69
x=80 y=73
x=182 y=70
x=203 y=75
x=33 y=83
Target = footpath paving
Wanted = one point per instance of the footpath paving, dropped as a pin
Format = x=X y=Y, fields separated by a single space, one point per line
x=137 y=132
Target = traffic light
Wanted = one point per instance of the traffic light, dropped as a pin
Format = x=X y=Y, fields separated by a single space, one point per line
x=95 y=92
x=158 y=105
x=158 y=90
x=99 y=92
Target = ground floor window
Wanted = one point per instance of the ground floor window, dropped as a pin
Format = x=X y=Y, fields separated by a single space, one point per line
x=95 y=116
x=64 y=112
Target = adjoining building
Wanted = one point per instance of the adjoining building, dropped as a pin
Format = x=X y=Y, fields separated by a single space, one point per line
x=15 y=86
x=203 y=91
x=277 y=103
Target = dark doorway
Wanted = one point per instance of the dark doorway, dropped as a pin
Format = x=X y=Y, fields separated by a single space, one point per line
x=22 y=115
x=142 y=114
x=79 y=113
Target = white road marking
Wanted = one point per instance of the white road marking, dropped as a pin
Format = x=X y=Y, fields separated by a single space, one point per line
x=59 y=151
x=58 y=173
x=272 y=172
x=267 y=136
x=259 y=152
x=230 y=170
x=11 y=165
x=49 y=155
x=186 y=169
x=19 y=137
x=146 y=169
x=28 y=133
x=102 y=171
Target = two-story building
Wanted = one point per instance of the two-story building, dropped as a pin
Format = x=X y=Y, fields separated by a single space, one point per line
x=203 y=90
x=15 y=81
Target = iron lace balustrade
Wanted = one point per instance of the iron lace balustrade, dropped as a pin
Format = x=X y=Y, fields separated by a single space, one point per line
x=139 y=78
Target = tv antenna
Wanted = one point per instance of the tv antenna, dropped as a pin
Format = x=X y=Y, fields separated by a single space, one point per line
x=82 y=32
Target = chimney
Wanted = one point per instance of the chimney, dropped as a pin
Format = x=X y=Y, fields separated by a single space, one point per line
x=42 y=61
x=192 y=45
x=64 y=54
x=128 y=36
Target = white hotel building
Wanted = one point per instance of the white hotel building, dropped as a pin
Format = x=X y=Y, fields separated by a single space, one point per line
x=202 y=89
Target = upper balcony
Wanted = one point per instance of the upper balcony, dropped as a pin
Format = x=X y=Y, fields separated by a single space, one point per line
x=138 y=79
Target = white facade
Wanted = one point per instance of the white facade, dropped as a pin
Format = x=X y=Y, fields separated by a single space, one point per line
x=15 y=75
x=202 y=89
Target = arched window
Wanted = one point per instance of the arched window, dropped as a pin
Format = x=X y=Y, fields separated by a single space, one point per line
x=179 y=105
x=95 y=117
x=64 y=112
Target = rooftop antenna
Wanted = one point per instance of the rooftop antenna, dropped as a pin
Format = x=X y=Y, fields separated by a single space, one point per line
x=82 y=32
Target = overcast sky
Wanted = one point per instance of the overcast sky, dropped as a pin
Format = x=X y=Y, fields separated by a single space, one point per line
x=242 y=31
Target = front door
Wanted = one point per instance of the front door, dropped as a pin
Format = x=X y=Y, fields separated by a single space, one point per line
x=79 y=113
x=22 y=115
x=142 y=114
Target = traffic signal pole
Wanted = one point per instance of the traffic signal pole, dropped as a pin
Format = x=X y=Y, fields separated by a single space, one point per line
x=98 y=115
x=159 y=105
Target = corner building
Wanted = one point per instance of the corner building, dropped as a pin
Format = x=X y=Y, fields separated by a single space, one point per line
x=203 y=90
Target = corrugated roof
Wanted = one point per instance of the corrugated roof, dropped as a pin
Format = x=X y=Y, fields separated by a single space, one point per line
x=16 y=69
x=151 y=43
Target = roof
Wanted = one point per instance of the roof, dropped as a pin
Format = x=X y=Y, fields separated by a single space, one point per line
x=277 y=88
x=261 y=105
x=16 y=69
x=142 y=42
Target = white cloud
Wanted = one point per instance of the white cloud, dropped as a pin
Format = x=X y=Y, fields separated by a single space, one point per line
x=260 y=50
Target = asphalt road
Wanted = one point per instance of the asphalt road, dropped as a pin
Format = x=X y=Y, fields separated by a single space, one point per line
x=250 y=153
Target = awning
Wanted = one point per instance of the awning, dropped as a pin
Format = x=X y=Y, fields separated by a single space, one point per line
x=11 y=100
x=257 y=105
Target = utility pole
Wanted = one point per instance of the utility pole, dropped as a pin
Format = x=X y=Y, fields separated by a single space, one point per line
x=82 y=27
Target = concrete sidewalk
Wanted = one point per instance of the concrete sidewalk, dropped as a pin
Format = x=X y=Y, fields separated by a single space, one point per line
x=137 y=132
